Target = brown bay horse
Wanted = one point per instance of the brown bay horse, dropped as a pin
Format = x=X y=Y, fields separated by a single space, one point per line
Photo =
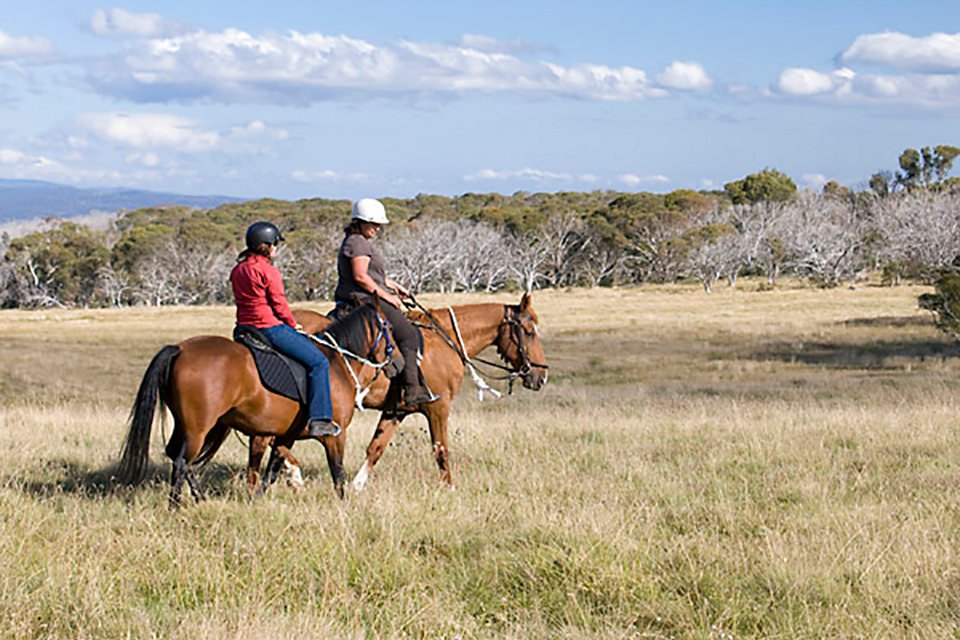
x=210 y=384
x=474 y=327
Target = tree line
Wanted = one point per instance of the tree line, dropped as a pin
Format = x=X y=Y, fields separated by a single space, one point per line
x=905 y=224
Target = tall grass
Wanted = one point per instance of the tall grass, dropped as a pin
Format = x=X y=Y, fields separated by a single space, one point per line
x=750 y=465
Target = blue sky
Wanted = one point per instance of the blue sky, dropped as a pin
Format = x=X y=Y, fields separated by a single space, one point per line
x=375 y=98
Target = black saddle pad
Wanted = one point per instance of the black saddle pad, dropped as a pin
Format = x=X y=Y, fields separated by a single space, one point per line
x=278 y=373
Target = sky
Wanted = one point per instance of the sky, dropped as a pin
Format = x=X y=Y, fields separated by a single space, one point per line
x=374 y=98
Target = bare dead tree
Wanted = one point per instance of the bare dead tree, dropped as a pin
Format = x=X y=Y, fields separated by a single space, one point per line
x=113 y=285
x=597 y=260
x=310 y=266
x=559 y=239
x=417 y=254
x=823 y=237
x=477 y=257
x=180 y=273
x=919 y=226
x=527 y=257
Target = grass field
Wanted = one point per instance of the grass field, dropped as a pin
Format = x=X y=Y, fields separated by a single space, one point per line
x=781 y=464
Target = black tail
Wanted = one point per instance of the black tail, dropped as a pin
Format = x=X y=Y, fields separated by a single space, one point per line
x=136 y=450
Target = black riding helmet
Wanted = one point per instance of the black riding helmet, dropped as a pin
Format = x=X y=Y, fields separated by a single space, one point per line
x=262 y=233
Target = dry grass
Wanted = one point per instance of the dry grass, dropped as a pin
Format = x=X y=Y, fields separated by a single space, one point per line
x=750 y=465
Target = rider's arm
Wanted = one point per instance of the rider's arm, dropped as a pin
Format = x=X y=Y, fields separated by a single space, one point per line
x=362 y=278
x=399 y=288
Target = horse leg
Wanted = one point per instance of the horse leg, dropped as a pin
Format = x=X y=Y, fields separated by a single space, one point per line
x=437 y=419
x=258 y=447
x=194 y=483
x=335 y=446
x=177 y=476
x=381 y=438
x=291 y=468
x=184 y=447
x=272 y=471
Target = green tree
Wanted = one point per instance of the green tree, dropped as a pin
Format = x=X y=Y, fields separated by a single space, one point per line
x=837 y=191
x=927 y=166
x=882 y=183
x=650 y=232
x=769 y=185
x=945 y=304
x=60 y=264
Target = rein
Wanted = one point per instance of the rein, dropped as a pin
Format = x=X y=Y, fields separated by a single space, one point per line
x=328 y=341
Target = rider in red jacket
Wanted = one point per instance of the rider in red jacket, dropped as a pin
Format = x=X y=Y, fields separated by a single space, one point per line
x=262 y=304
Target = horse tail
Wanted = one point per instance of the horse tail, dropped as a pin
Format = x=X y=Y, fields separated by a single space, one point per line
x=136 y=449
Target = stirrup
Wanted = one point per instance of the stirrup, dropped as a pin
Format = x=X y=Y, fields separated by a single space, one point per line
x=423 y=396
x=320 y=428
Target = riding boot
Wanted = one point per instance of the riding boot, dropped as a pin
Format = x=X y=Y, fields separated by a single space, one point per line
x=415 y=394
x=318 y=428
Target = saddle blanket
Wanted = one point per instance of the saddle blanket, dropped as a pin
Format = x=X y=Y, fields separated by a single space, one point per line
x=278 y=373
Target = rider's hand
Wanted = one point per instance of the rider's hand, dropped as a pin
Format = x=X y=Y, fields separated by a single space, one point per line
x=392 y=299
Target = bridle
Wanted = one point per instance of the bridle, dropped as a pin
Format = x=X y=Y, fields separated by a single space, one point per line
x=513 y=321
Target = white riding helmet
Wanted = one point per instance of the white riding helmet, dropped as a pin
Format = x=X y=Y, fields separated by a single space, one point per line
x=369 y=210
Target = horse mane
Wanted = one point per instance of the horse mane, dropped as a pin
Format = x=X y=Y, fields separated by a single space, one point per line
x=350 y=331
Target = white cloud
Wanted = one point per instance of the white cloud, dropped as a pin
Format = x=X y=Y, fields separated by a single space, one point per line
x=923 y=73
x=814 y=181
x=301 y=68
x=936 y=53
x=685 y=75
x=17 y=165
x=634 y=180
x=526 y=173
x=327 y=175
x=148 y=159
x=257 y=129
x=118 y=23
x=804 y=82
x=150 y=130
x=492 y=45
x=25 y=49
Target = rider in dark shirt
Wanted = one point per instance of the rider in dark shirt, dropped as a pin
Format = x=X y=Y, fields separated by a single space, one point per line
x=361 y=272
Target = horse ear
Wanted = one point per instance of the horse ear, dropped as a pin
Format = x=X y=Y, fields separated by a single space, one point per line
x=375 y=301
x=524 y=302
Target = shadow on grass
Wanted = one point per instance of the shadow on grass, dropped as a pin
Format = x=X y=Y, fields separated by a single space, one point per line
x=890 y=321
x=72 y=479
x=877 y=354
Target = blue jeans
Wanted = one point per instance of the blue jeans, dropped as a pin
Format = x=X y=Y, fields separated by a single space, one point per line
x=290 y=343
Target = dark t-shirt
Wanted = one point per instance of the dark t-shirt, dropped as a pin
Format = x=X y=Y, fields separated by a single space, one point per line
x=355 y=245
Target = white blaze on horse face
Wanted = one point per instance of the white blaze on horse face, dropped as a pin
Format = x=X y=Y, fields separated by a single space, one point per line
x=360 y=480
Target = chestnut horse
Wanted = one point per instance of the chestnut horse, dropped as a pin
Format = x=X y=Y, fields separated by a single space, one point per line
x=449 y=335
x=211 y=385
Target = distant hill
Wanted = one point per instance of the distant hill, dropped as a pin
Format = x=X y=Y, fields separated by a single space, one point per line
x=26 y=199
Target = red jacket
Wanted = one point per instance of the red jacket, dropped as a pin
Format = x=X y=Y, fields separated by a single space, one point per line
x=258 y=290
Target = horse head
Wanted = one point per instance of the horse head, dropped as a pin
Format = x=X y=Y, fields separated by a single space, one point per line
x=518 y=343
